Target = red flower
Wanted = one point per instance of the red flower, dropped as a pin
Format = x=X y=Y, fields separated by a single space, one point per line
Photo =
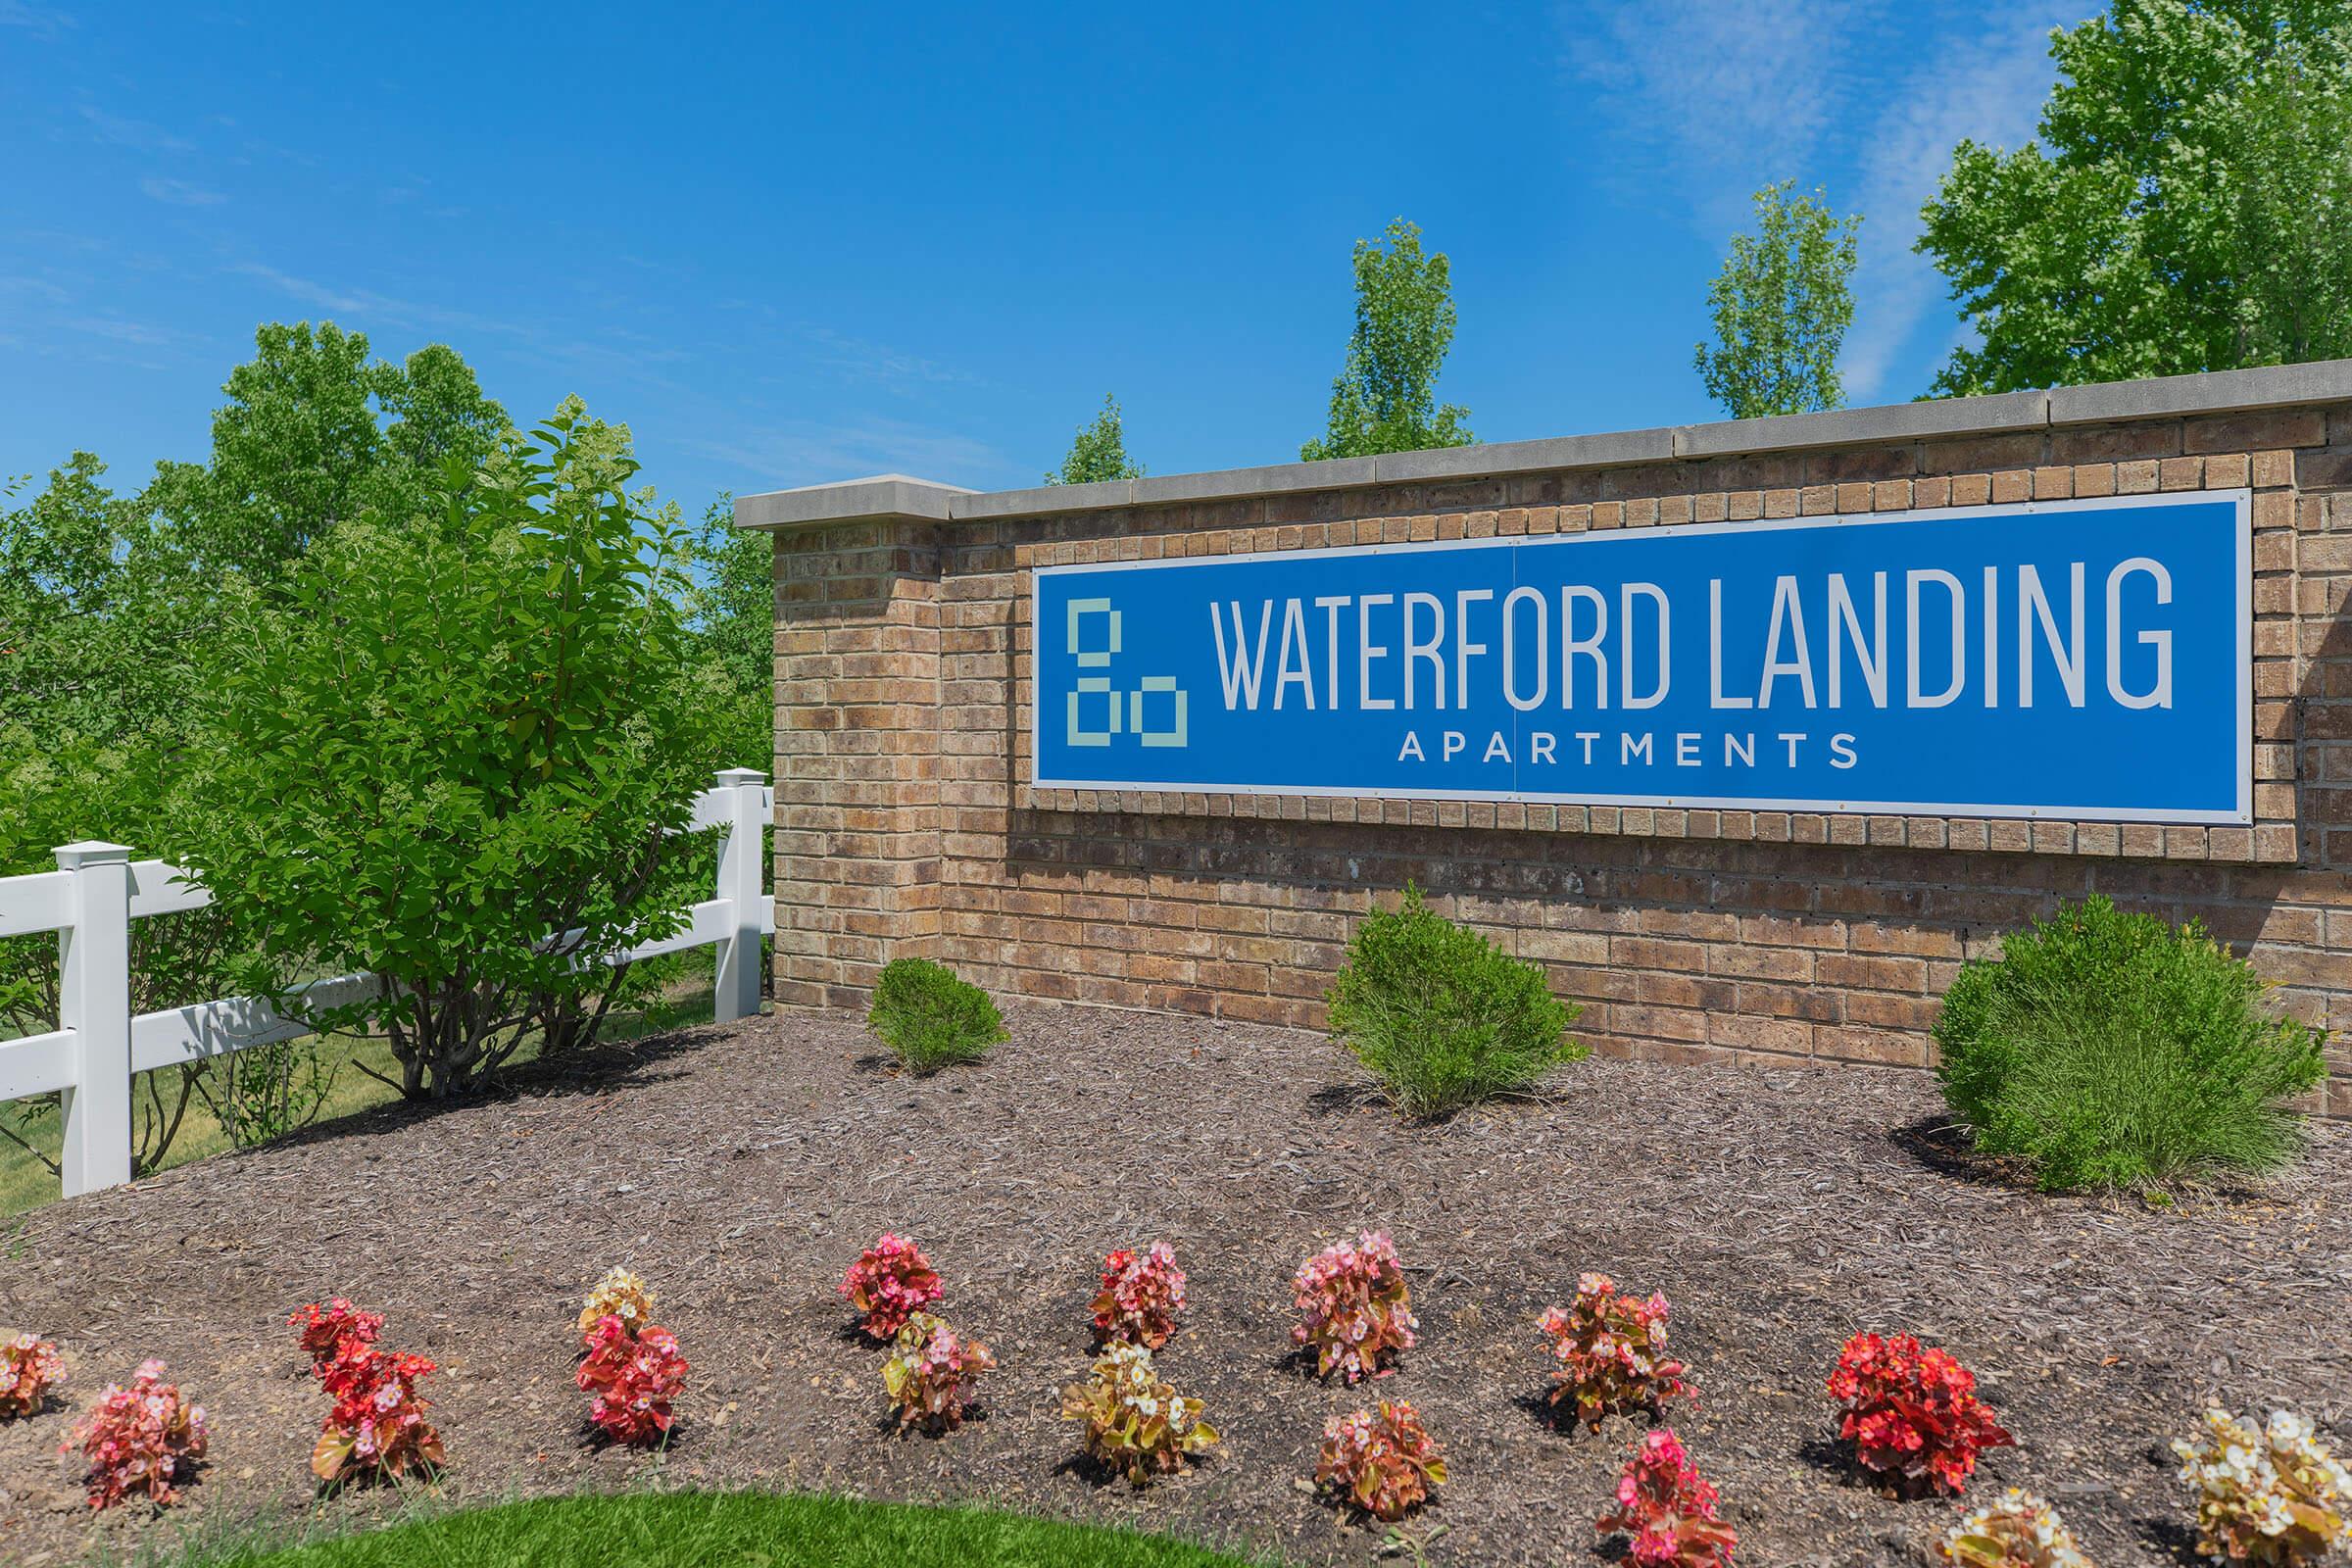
x=1669 y=1509
x=377 y=1426
x=635 y=1379
x=1140 y=1298
x=890 y=1281
x=1911 y=1412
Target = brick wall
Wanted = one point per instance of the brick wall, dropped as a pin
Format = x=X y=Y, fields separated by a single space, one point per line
x=1743 y=935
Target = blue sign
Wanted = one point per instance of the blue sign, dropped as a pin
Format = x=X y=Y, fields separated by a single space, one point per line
x=2082 y=660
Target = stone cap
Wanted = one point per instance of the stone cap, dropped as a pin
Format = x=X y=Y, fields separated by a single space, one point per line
x=896 y=497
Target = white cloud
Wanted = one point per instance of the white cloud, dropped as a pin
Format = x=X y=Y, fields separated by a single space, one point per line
x=1721 y=96
x=810 y=451
x=1712 y=99
x=116 y=131
x=42 y=22
x=857 y=360
x=180 y=193
x=1988 y=88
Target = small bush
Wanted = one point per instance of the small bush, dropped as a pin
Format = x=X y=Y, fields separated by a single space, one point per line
x=1441 y=1015
x=2274 y=1496
x=30 y=1367
x=2020 y=1530
x=1385 y=1463
x=376 y=1430
x=1355 y=1307
x=1669 y=1509
x=144 y=1438
x=1611 y=1350
x=1911 y=1413
x=932 y=1373
x=2114 y=1050
x=1135 y=1423
x=890 y=1281
x=621 y=1294
x=636 y=1374
x=1141 y=1297
x=930 y=1018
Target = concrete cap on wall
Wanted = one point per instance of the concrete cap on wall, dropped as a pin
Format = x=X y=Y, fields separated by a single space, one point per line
x=895 y=497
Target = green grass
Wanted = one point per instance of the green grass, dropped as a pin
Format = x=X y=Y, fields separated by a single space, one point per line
x=26 y=1183
x=723 y=1530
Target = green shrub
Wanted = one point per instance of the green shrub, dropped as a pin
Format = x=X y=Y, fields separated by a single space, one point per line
x=1442 y=1016
x=931 y=1019
x=453 y=752
x=2113 y=1050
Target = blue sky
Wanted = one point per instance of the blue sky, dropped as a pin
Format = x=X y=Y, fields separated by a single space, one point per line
x=793 y=244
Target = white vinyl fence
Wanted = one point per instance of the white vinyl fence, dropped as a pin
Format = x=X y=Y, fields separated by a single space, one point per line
x=97 y=890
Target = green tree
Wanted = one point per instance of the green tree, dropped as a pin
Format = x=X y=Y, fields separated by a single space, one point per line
x=2184 y=207
x=732 y=619
x=1782 y=305
x=316 y=433
x=107 y=604
x=450 y=756
x=1098 y=450
x=1385 y=398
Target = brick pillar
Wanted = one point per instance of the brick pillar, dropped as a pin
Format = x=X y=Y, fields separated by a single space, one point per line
x=858 y=710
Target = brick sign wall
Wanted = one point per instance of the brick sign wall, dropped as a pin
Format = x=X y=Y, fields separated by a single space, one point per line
x=906 y=824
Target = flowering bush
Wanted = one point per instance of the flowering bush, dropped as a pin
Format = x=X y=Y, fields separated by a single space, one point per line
x=621 y=1294
x=1355 y=1306
x=30 y=1367
x=1669 y=1508
x=2273 y=1497
x=2020 y=1530
x=1135 y=1423
x=890 y=1281
x=324 y=1328
x=1385 y=1463
x=1141 y=1297
x=377 y=1426
x=635 y=1376
x=1912 y=1413
x=932 y=1372
x=1611 y=1352
x=144 y=1438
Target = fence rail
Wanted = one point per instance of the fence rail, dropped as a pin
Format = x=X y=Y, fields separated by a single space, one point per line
x=99 y=1046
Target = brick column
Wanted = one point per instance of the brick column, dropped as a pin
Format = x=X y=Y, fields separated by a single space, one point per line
x=858 y=712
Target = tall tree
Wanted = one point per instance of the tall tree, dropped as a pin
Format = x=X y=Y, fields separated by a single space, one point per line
x=1386 y=398
x=316 y=433
x=2184 y=207
x=109 y=607
x=1099 y=451
x=732 y=621
x=1782 y=305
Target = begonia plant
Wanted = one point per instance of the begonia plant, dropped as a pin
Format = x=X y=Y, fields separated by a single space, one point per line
x=1141 y=1297
x=144 y=1439
x=1356 y=1311
x=376 y=1430
x=2017 y=1529
x=932 y=1373
x=1610 y=1350
x=1668 y=1508
x=635 y=1375
x=2274 y=1496
x=1912 y=1412
x=1383 y=1462
x=890 y=1281
x=1135 y=1423
x=29 y=1368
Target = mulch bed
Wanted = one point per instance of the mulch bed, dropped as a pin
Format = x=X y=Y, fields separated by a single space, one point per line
x=741 y=1169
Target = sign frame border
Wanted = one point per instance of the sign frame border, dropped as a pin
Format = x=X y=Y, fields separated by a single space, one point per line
x=2242 y=497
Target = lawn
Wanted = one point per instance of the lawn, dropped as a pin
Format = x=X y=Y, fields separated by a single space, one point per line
x=752 y=1529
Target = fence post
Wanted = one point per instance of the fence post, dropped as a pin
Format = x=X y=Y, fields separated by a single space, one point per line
x=741 y=860
x=93 y=970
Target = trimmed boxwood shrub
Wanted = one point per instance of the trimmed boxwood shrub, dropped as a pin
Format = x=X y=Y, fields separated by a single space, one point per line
x=930 y=1018
x=2115 y=1049
x=1442 y=1016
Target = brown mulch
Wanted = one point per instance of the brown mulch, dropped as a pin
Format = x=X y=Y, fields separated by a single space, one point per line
x=740 y=1170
